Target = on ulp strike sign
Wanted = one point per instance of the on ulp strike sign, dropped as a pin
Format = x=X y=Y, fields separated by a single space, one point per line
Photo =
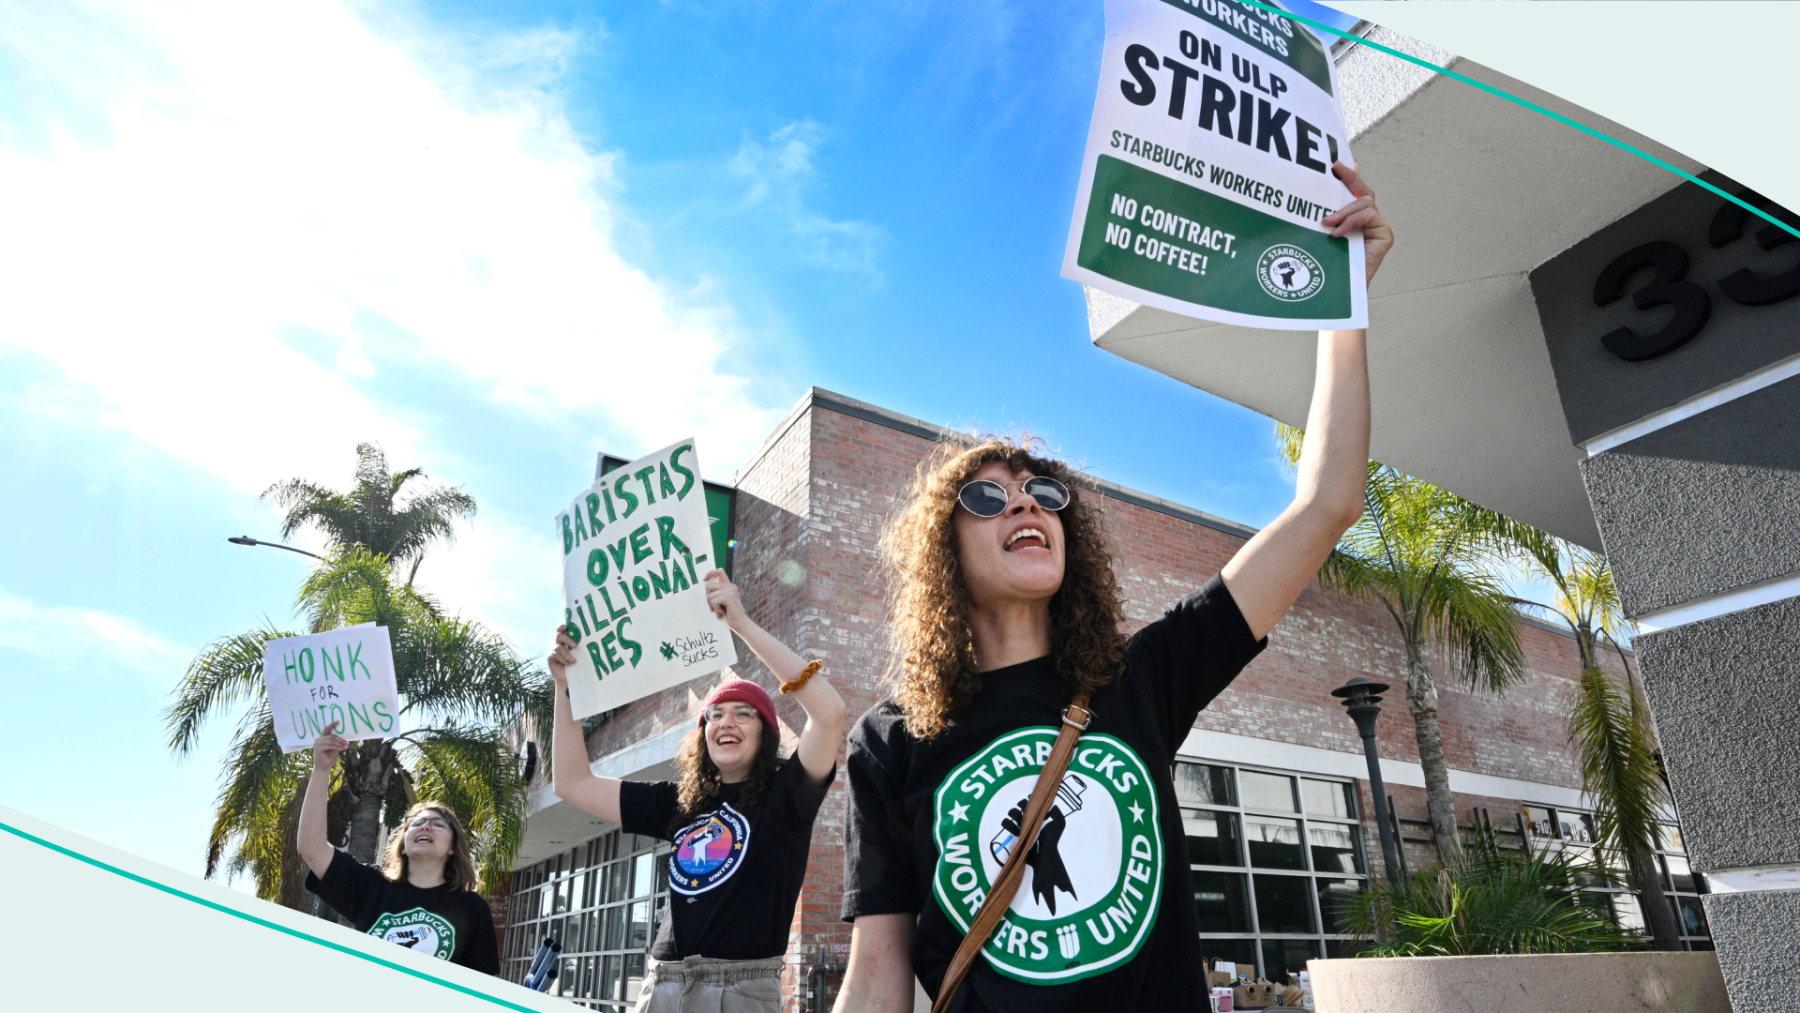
x=1208 y=167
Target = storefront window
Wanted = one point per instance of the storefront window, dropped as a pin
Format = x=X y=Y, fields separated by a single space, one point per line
x=1219 y=902
x=1268 y=791
x=600 y=901
x=1276 y=857
x=1335 y=898
x=1330 y=799
x=1571 y=828
x=1212 y=838
x=1274 y=843
x=1284 y=904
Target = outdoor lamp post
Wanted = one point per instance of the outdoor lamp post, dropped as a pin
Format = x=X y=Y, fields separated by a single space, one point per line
x=247 y=540
x=1362 y=698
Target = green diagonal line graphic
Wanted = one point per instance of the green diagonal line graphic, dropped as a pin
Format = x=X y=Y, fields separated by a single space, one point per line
x=1527 y=103
x=265 y=923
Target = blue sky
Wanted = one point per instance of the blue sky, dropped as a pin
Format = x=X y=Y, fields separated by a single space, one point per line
x=242 y=238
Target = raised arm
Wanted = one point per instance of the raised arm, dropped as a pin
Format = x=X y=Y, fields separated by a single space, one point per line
x=824 y=731
x=571 y=778
x=310 y=839
x=1269 y=572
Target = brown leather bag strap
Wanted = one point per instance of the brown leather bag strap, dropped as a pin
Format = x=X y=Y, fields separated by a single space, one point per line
x=1075 y=721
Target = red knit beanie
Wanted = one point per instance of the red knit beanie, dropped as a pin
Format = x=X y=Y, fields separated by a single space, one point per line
x=741 y=691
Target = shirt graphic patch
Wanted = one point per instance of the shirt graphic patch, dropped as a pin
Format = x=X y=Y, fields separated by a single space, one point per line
x=708 y=850
x=417 y=929
x=1093 y=878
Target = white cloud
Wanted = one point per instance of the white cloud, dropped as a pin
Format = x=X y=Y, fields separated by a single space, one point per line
x=778 y=175
x=72 y=639
x=503 y=574
x=188 y=187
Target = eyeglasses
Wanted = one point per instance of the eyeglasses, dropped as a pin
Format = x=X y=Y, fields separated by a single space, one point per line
x=987 y=498
x=434 y=822
x=743 y=712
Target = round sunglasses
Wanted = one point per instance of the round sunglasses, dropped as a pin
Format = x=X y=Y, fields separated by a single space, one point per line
x=987 y=498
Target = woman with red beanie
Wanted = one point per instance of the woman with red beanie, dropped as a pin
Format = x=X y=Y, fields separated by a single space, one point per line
x=740 y=818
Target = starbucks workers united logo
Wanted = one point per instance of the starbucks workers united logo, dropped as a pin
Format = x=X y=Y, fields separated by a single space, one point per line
x=1093 y=878
x=1289 y=273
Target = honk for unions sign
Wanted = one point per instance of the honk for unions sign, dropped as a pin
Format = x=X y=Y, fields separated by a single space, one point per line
x=1208 y=168
x=635 y=548
x=344 y=675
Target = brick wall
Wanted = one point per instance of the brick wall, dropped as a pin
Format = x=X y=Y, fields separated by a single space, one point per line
x=811 y=507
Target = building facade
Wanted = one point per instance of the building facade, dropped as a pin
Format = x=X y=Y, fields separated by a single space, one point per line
x=1272 y=779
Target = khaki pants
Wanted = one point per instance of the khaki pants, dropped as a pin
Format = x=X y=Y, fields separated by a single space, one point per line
x=706 y=985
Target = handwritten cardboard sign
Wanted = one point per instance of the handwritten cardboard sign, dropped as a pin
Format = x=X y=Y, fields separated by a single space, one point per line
x=635 y=546
x=344 y=675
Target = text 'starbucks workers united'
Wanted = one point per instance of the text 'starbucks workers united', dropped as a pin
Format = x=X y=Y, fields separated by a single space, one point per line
x=1093 y=879
x=1208 y=169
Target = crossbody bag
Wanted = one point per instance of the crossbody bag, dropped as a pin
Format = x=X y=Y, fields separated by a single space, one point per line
x=1075 y=720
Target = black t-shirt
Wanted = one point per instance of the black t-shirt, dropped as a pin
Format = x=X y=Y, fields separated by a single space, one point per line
x=1104 y=918
x=453 y=925
x=733 y=879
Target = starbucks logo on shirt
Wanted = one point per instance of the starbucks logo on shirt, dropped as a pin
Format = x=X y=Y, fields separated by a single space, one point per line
x=708 y=850
x=1094 y=876
x=419 y=930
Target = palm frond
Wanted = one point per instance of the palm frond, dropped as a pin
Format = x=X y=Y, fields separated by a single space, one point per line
x=1470 y=617
x=1618 y=766
x=357 y=586
x=226 y=674
x=259 y=787
x=369 y=515
x=427 y=517
x=1289 y=441
x=457 y=668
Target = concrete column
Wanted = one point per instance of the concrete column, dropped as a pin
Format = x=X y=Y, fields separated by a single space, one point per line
x=1692 y=466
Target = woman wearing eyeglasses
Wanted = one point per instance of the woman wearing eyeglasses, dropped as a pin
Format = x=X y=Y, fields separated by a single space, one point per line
x=740 y=818
x=1006 y=611
x=424 y=897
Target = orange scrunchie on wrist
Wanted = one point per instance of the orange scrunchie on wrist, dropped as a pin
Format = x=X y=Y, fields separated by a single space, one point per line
x=794 y=684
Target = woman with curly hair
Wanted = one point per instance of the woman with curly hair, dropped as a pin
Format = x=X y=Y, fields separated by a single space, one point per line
x=1006 y=611
x=740 y=819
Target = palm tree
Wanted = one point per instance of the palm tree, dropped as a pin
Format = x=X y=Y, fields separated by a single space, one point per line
x=1424 y=554
x=1609 y=724
x=459 y=682
x=371 y=515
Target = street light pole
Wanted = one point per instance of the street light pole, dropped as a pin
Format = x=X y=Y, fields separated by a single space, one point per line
x=1362 y=698
x=247 y=540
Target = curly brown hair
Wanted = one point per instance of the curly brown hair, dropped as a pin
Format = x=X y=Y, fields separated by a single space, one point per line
x=699 y=777
x=934 y=649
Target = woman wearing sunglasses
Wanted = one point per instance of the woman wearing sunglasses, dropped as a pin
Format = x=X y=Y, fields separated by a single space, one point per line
x=1006 y=612
x=740 y=818
x=424 y=897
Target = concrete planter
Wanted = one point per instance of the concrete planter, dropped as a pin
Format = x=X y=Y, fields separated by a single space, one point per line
x=1550 y=983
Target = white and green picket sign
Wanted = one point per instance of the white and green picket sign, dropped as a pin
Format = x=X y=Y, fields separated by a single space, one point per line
x=344 y=675
x=1208 y=168
x=635 y=546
